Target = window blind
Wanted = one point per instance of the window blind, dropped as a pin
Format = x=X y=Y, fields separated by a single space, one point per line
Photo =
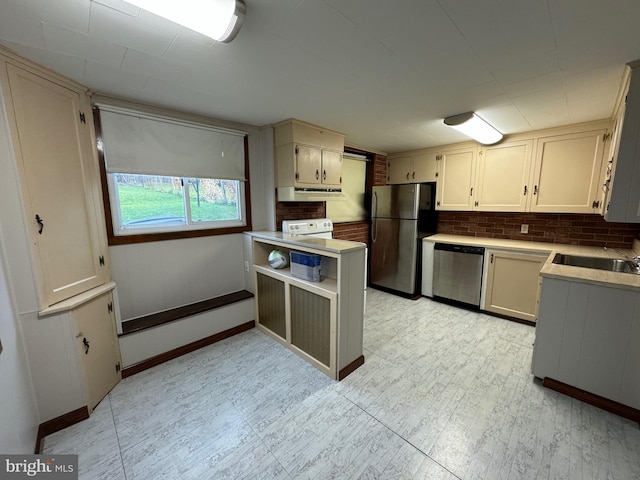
x=142 y=144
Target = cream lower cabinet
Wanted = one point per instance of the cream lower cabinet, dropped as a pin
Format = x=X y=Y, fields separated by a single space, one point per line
x=97 y=347
x=321 y=322
x=512 y=283
x=51 y=125
x=566 y=177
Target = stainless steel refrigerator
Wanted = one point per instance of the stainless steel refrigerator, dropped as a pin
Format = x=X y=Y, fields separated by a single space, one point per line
x=401 y=216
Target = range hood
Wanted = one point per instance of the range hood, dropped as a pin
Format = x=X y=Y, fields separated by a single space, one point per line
x=293 y=194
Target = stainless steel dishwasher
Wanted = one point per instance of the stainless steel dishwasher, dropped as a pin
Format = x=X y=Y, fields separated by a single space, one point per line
x=457 y=272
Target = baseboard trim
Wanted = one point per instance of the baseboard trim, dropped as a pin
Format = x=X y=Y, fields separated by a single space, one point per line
x=173 y=314
x=593 y=399
x=190 y=347
x=352 y=367
x=59 y=423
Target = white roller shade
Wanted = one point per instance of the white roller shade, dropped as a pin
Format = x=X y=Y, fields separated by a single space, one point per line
x=140 y=144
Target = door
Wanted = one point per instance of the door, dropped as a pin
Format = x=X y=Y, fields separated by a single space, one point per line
x=513 y=284
x=456 y=177
x=425 y=167
x=567 y=170
x=394 y=250
x=98 y=347
x=395 y=201
x=331 y=168
x=54 y=147
x=308 y=165
x=502 y=177
x=399 y=170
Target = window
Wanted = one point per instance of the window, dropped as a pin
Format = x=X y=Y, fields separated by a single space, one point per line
x=351 y=208
x=155 y=203
x=166 y=176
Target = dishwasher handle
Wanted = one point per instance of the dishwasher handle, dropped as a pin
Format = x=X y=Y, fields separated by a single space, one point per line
x=469 y=249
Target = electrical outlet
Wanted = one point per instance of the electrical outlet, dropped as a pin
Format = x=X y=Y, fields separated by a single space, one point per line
x=246 y=266
x=524 y=228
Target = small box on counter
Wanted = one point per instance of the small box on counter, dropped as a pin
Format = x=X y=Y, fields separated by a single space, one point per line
x=305 y=266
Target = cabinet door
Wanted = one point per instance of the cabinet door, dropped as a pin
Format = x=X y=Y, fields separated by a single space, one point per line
x=399 y=170
x=502 y=178
x=58 y=175
x=513 y=284
x=567 y=171
x=98 y=347
x=424 y=167
x=456 y=175
x=308 y=165
x=331 y=168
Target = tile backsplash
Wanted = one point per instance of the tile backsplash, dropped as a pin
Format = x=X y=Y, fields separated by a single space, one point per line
x=574 y=229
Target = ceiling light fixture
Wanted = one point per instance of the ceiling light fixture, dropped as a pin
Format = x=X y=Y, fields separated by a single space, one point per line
x=217 y=19
x=472 y=125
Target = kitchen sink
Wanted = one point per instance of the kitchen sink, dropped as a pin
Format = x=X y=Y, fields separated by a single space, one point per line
x=599 y=263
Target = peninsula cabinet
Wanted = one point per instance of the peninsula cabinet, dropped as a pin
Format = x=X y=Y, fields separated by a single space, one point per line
x=53 y=139
x=418 y=168
x=587 y=337
x=307 y=156
x=321 y=322
x=512 y=283
x=566 y=176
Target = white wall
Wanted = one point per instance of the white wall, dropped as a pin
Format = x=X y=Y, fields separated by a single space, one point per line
x=155 y=276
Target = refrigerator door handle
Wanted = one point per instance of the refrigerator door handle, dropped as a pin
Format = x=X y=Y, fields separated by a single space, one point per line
x=374 y=215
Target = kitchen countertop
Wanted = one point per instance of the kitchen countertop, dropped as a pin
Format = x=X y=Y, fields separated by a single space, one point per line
x=627 y=281
x=305 y=241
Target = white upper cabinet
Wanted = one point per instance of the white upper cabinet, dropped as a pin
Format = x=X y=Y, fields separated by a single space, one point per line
x=559 y=170
x=307 y=156
x=52 y=128
x=567 y=170
x=456 y=179
x=418 y=168
x=623 y=172
x=502 y=181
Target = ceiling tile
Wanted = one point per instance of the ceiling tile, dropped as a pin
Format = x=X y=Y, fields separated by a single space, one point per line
x=109 y=25
x=76 y=44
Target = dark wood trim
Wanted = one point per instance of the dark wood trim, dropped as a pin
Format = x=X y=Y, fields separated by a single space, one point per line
x=59 y=423
x=155 y=319
x=352 y=367
x=113 y=239
x=191 y=347
x=593 y=399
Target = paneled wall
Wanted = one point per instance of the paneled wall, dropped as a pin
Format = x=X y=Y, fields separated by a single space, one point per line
x=574 y=229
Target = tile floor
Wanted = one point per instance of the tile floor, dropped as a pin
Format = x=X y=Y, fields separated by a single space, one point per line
x=444 y=394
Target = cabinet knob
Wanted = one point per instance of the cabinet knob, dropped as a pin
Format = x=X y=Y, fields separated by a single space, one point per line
x=324 y=174
x=535 y=189
x=85 y=342
x=317 y=174
x=525 y=190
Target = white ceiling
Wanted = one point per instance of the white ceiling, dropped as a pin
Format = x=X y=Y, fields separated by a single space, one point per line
x=383 y=72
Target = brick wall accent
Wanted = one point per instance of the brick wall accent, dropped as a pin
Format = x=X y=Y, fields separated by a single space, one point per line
x=354 y=231
x=298 y=211
x=574 y=229
x=379 y=170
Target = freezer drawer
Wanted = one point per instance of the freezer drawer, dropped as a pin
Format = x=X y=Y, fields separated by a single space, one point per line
x=457 y=273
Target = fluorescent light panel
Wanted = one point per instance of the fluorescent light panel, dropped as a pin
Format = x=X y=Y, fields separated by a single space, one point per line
x=217 y=19
x=475 y=127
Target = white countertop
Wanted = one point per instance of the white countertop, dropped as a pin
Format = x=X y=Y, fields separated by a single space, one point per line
x=305 y=241
x=587 y=275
